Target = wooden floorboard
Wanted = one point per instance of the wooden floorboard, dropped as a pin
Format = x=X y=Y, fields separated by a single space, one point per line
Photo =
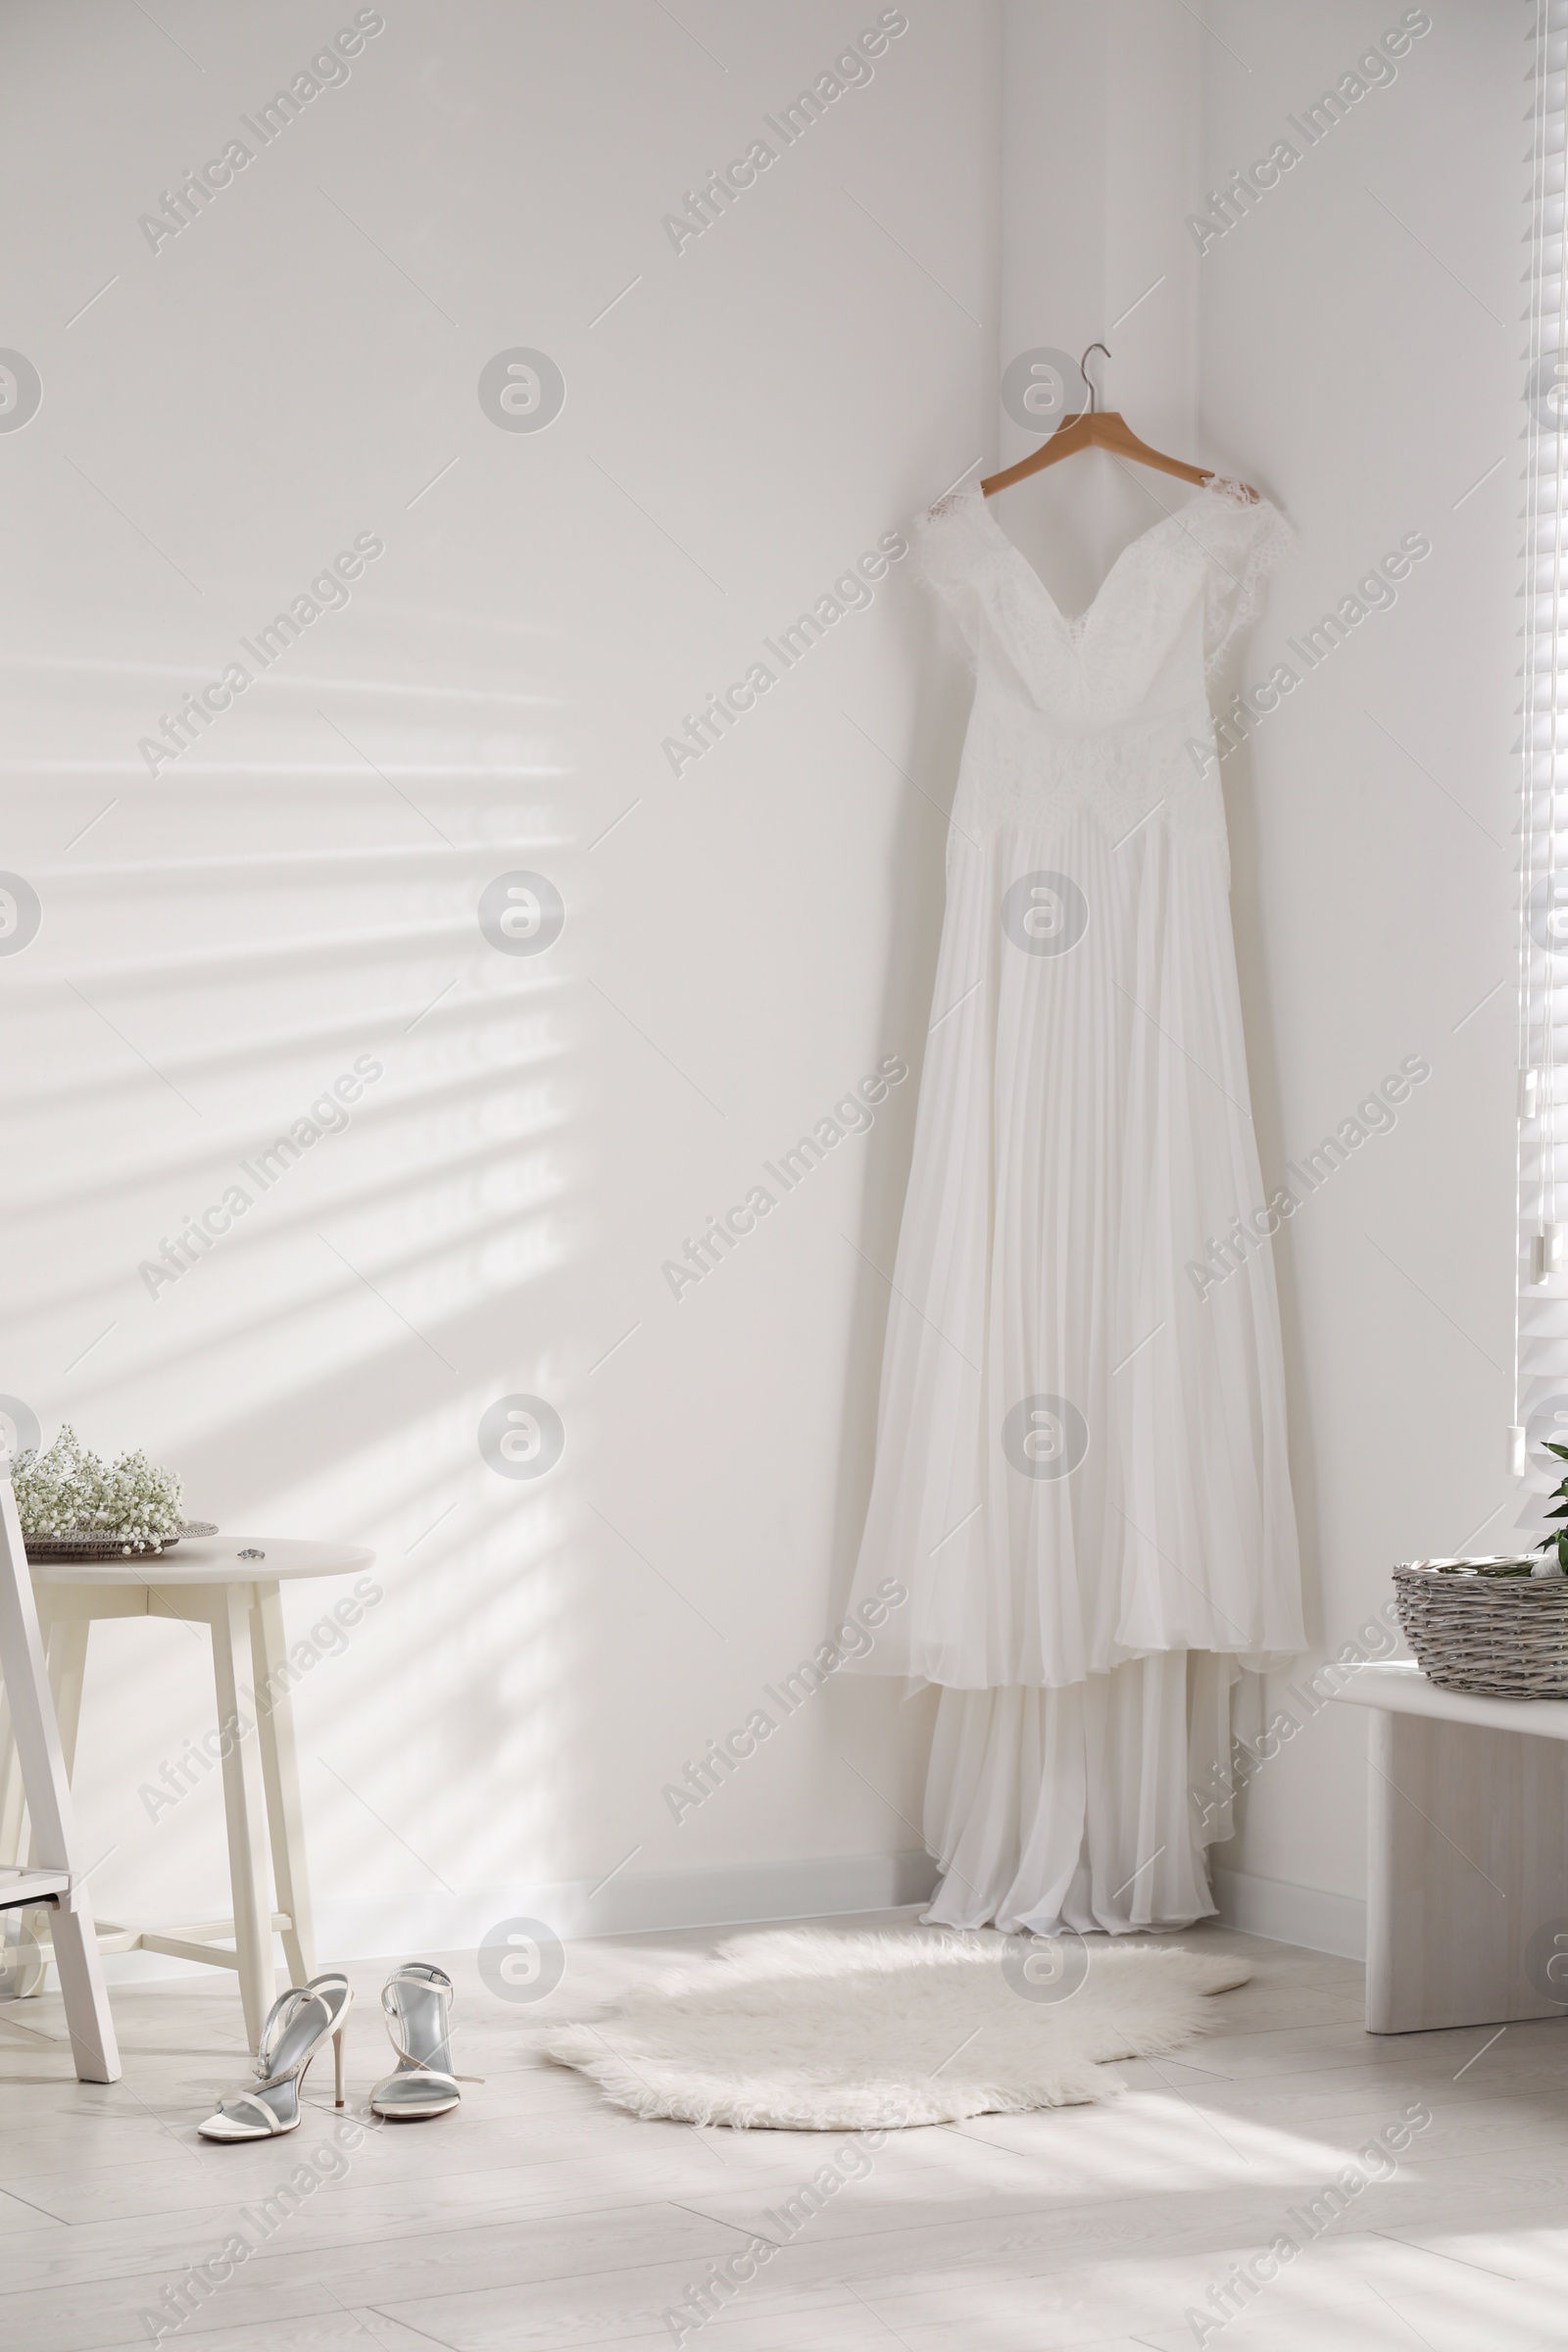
x=537 y=2218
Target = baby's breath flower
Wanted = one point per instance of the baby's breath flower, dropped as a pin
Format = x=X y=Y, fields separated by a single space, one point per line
x=70 y=1492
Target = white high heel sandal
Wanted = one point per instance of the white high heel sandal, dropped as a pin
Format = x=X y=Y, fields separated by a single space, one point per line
x=298 y=2024
x=417 y=2000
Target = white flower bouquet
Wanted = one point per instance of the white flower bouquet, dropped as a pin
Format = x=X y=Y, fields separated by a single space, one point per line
x=129 y=1505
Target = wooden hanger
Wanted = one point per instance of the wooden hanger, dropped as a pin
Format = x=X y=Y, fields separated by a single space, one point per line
x=1096 y=428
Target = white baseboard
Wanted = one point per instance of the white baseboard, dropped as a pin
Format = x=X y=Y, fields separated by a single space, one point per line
x=1289 y=1914
x=734 y=1897
x=372 y=1928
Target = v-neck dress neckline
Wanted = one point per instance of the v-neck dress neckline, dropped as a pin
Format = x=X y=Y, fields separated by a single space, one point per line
x=1076 y=623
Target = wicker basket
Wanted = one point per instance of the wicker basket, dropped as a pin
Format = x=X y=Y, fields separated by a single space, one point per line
x=98 y=1546
x=1473 y=1629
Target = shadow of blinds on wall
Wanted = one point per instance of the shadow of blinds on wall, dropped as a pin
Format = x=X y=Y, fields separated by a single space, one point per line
x=1540 y=1324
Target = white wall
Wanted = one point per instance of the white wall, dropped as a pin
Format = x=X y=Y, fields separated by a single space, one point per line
x=300 y=887
x=301 y=884
x=1361 y=360
x=1350 y=345
x=1102 y=132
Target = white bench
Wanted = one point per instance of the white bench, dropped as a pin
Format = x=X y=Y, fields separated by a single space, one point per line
x=1467 y=1853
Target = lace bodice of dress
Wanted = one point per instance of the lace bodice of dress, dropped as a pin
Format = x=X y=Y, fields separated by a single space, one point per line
x=1106 y=712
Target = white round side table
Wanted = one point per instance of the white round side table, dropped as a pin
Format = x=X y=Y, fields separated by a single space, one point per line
x=231 y=1585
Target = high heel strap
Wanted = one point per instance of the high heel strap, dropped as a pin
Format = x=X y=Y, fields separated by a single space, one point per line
x=287 y=2010
x=415 y=2069
x=427 y=1978
x=422 y=1974
x=248 y=2098
x=416 y=2066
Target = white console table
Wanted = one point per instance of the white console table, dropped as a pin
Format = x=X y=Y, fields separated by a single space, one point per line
x=1467 y=1853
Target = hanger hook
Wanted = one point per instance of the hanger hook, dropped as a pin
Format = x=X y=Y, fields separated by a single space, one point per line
x=1083 y=369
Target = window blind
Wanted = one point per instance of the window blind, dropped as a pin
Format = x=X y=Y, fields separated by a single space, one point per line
x=1541 y=1323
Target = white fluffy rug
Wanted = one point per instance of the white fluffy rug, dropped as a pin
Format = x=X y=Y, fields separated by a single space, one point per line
x=804 y=2029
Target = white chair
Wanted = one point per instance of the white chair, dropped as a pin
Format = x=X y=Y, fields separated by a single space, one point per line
x=52 y=1880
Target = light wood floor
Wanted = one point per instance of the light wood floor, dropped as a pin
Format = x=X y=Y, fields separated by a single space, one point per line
x=538 y=2217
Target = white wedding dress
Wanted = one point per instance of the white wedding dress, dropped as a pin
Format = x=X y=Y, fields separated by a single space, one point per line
x=1080 y=1472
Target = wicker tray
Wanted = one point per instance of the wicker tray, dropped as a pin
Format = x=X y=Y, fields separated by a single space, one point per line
x=1501 y=1637
x=96 y=1546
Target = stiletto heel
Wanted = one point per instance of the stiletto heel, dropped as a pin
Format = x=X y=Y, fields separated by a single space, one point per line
x=298 y=2024
x=338 y=2065
x=417 y=2000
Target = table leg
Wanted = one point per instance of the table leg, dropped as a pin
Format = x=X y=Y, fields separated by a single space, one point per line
x=243 y=1803
x=1467 y=1875
x=65 y=1647
x=281 y=1776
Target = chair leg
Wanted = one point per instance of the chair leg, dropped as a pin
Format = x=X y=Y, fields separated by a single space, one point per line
x=43 y=1766
x=65 y=1643
x=13 y=1796
x=65 y=1640
x=65 y=1649
x=274 y=1721
x=12 y=1847
x=243 y=1805
x=82 y=1984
